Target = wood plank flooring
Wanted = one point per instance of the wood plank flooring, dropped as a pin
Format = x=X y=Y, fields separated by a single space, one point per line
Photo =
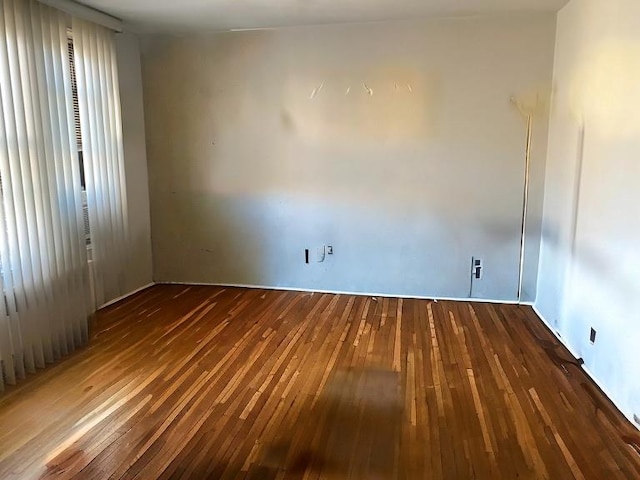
x=208 y=382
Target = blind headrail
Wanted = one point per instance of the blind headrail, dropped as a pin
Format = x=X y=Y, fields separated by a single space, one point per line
x=86 y=13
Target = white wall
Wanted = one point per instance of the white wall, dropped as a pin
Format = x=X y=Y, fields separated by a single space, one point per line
x=139 y=272
x=248 y=167
x=590 y=259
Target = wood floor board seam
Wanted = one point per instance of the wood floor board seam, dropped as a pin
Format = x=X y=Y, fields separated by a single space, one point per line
x=227 y=382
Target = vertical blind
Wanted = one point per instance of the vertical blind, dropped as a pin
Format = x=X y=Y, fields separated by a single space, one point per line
x=101 y=126
x=43 y=263
x=44 y=271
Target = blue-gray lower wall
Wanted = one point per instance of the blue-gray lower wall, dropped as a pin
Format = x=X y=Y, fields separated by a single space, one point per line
x=395 y=143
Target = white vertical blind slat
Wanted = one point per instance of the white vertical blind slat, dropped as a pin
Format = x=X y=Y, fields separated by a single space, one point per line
x=12 y=353
x=43 y=151
x=17 y=133
x=101 y=126
x=110 y=156
x=69 y=179
x=115 y=121
x=87 y=126
x=54 y=157
x=43 y=261
x=57 y=99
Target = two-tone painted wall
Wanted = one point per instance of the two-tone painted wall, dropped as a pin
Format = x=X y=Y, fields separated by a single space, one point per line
x=395 y=143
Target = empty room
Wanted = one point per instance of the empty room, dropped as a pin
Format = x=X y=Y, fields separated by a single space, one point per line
x=323 y=239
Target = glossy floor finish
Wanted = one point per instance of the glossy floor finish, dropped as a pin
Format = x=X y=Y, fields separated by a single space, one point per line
x=208 y=382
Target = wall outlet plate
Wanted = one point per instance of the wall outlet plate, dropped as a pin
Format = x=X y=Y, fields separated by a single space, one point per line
x=477 y=268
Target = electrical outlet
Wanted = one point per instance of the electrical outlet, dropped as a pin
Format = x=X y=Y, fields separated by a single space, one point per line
x=476 y=268
x=592 y=336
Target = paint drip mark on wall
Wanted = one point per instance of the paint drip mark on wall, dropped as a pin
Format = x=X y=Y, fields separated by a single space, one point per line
x=348 y=91
x=367 y=89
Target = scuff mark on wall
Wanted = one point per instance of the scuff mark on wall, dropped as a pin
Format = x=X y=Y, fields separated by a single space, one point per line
x=378 y=110
x=316 y=91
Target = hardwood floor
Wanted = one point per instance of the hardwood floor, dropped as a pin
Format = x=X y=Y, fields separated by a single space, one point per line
x=206 y=382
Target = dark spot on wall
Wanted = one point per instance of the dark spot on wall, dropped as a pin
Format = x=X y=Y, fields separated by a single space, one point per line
x=287 y=121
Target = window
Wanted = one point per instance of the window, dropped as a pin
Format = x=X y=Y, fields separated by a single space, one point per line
x=76 y=118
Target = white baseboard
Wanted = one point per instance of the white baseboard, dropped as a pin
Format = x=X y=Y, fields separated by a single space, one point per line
x=586 y=370
x=122 y=297
x=363 y=294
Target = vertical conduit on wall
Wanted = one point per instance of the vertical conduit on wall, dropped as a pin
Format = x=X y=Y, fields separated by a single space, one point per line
x=527 y=111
